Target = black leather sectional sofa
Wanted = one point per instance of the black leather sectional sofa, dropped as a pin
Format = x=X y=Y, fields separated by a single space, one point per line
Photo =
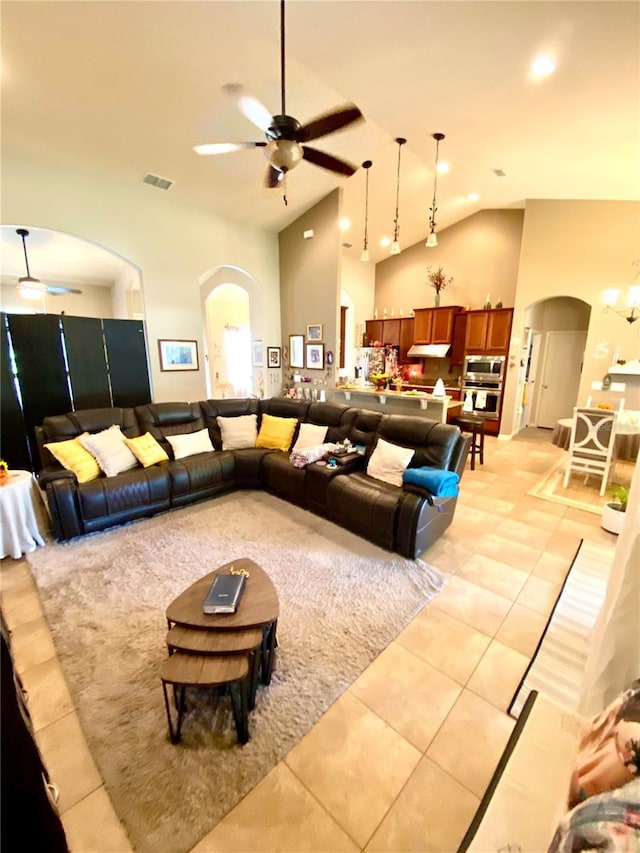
x=405 y=519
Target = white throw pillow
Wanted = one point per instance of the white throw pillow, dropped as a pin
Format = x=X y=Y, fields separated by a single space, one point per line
x=109 y=450
x=238 y=432
x=189 y=444
x=388 y=461
x=310 y=435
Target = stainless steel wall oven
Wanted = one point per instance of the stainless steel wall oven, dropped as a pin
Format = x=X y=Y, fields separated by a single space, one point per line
x=482 y=384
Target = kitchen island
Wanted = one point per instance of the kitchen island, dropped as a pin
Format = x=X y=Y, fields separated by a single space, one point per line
x=399 y=403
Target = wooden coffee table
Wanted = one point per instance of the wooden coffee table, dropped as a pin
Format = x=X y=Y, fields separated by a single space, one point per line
x=258 y=608
x=222 y=649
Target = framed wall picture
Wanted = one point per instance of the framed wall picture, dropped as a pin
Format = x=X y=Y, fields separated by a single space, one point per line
x=296 y=350
x=178 y=355
x=314 y=333
x=273 y=356
x=315 y=356
x=257 y=352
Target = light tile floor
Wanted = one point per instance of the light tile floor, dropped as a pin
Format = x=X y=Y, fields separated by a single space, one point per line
x=401 y=760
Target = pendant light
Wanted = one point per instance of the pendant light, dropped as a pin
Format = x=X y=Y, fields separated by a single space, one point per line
x=432 y=239
x=365 y=245
x=395 y=246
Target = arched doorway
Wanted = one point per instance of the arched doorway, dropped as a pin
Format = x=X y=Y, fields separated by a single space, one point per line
x=553 y=355
x=109 y=285
x=239 y=288
x=228 y=342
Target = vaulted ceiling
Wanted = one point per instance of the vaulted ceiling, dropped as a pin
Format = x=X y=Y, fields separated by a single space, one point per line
x=128 y=88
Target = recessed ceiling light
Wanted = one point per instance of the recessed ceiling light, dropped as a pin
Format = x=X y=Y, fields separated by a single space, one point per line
x=344 y=224
x=443 y=167
x=386 y=241
x=542 y=66
x=473 y=197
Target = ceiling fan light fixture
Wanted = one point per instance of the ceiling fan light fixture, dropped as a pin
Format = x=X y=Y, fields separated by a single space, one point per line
x=284 y=154
x=27 y=292
x=432 y=239
x=395 y=245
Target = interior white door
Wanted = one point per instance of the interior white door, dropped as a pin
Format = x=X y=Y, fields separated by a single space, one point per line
x=531 y=364
x=562 y=358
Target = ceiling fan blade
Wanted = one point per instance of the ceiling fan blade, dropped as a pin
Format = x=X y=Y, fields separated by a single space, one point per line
x=225 y=147
x=272 y=177
x=329 y=123
x=58 y=290
x=327 y=161
x=249 y=106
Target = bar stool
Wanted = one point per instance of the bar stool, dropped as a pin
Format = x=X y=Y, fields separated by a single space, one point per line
x=474 y=425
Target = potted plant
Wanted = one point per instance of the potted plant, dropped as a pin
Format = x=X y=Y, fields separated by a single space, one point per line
x=438 y=281
x=614 y=510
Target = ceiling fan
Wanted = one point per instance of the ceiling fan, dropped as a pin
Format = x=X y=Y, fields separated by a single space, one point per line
x=33 y=288
x=285 y=136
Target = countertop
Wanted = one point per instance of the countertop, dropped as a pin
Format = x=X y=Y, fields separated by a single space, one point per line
x=402 y=395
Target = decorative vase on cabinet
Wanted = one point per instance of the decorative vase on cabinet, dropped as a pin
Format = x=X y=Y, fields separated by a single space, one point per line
x=436 y=299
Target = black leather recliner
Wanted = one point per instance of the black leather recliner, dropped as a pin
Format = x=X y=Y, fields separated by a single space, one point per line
x=404 y=519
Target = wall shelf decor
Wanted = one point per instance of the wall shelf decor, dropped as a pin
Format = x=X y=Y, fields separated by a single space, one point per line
x=315 y=356
x=314 y=333
x=296 y=350
x=178 y=355
x=273 y=357
x=257 y=353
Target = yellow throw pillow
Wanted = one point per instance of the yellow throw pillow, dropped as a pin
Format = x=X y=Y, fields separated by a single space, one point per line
x=276 y=433
x=72 y=456
x=146 y=450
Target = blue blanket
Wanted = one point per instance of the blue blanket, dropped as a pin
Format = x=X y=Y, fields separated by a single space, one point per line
x=441 y=484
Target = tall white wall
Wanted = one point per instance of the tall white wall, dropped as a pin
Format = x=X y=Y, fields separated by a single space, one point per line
x=172 y=245
x=576 y=248
x=358 y=281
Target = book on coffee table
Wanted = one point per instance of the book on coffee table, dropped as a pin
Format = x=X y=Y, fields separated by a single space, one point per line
x=224 y=594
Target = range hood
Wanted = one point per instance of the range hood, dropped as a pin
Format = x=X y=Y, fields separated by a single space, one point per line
x=428 y=350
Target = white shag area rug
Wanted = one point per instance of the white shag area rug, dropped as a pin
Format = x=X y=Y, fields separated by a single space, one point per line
x=342 y=601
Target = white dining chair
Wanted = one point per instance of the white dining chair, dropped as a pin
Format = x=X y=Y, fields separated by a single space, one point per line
x=591 y=403
x=591 y=446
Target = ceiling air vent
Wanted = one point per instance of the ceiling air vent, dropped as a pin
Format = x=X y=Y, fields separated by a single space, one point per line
x=157 y=181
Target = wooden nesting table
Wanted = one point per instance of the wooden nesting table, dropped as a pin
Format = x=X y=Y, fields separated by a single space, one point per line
x=212 y=650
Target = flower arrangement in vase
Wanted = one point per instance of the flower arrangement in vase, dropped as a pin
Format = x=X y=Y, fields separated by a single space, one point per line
x=4 y=472
x=438 y=281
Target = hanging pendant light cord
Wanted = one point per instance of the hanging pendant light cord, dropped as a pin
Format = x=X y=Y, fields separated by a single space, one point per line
x=22 y=234
x=437 y=137
x=367 y=165
x=395 y=228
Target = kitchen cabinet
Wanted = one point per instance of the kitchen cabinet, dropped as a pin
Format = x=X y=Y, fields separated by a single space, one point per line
x=406 y=337
x=499 y=331
x=488 y=331
x=422 y=325
x=390 y=331
x=435 y=325
x=373 y=331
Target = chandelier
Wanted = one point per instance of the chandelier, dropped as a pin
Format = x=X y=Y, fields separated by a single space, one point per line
x=632 y=312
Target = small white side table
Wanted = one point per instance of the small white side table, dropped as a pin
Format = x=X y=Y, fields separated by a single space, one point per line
x=22 y=526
